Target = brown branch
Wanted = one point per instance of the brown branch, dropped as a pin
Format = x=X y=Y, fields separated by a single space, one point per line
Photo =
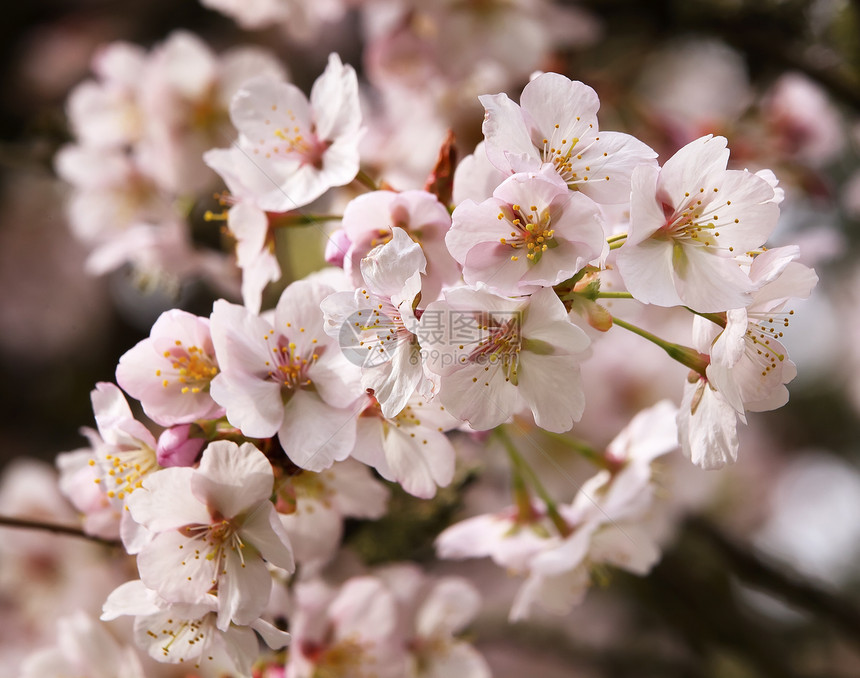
x=22 y=523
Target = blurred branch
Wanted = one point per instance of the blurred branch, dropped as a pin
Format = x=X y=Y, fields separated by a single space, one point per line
x=756 y=570
x=21 y=523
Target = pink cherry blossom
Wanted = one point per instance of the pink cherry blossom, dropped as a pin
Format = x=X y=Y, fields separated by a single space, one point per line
x=180 y=633
x=691 y=222
x=369 y=220
x=312 y=508
x=84 y=647
x=170 y=372
x=532 y=233
x=432 y=614
x=376 y=325
x=290 y=150
x=287 y=377
x=497 y=354
x=410 y=447
x=556 y=124
x=351 y=630
x=213 y=528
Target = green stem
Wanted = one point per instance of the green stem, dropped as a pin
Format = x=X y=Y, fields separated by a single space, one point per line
x=614 y=295
x=683 y=354
x=582 y=448
x=522 y=468
x=364 y=178
x=615 y=238
x=717 y=318
x=305 y=219
x=22 y=523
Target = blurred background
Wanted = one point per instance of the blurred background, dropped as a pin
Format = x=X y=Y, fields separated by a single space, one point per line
x=760 y=574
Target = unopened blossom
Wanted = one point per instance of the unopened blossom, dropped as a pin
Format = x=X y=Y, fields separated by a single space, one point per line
x=189 y=633
x=369 y=221
x=287 y=377
x=290 y=149
x=376 y=325
x=350 y=631
x=213 y=527
x=410 y=447
x=179 y=446
x=692 y=224
x=496 y=355
x=555 y=124
x=84 y=648
x=170 y=372
x=313 y=506
x=532 y=233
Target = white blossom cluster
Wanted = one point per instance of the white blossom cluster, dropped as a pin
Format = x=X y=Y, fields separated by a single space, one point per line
x=459 y=308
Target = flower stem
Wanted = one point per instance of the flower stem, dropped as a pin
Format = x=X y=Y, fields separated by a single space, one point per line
x=683 y=354
x=364 y=178
x=22 y=523
x=614 y=295
x=524 y=471
x=304 y=220
x=582 y=448
x=717 y=318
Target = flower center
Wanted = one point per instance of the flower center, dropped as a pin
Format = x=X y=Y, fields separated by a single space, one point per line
x=124 y=469
x=192 y=368
x=287 y=365
x=530 y=231
x=499 y=346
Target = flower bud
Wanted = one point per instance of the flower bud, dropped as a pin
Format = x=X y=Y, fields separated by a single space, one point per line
x=336 y=247
x=178 y=447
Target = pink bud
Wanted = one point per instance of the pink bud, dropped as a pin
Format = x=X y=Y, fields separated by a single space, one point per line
x=336 y=247
x=176 y=447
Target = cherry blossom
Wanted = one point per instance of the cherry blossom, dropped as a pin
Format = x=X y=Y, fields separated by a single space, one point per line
x=313 y=506
x=376 y=325
x=497 y=354
x=556 y=124
x=690 y=223
x=170 y=372
x=290 y=150
x=532 y=233
x=287 y=377
x=409 y=447
x=254 y=252
x=350 y=631
x=433 y=613
x=369 y=221
x=174 y=632
x=213 y=527
x=84 y=648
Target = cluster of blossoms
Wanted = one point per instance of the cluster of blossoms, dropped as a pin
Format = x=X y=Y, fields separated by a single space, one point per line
x=140 y=130
x=467 y=306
